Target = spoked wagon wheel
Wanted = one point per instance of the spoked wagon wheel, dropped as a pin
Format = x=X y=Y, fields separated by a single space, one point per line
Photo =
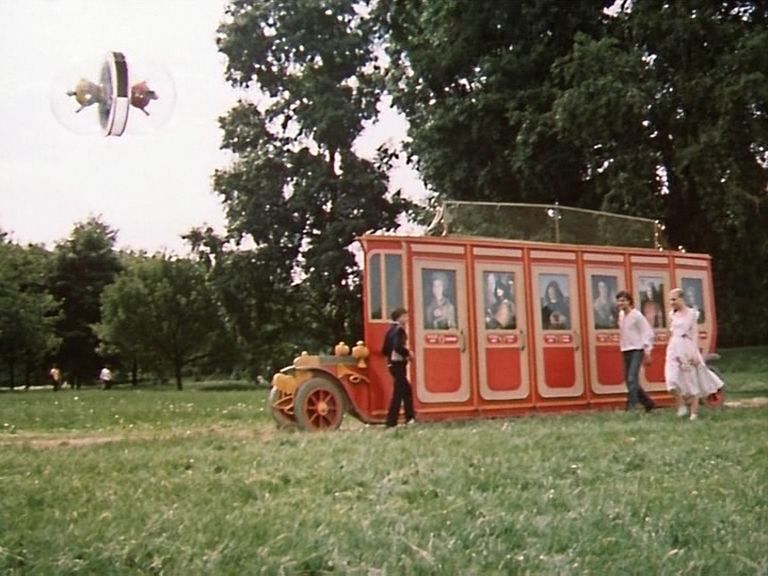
x=319 y=405
x=281 y=404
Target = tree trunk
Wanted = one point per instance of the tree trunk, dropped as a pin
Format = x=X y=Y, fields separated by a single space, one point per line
x=177 y=369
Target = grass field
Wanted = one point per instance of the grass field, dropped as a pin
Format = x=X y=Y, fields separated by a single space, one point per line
x=202 y=482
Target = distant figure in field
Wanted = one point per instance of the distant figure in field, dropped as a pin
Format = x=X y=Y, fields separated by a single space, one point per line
x=105 y=376
x=55 y=375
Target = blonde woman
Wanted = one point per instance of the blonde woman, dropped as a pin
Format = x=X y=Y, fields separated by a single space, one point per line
x=686 y=374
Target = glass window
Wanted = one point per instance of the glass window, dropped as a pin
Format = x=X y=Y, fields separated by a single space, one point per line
x=374 y=287
x=393 y=275
x=385 y=285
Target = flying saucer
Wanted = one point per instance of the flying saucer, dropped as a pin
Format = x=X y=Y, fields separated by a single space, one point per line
x=113 y=97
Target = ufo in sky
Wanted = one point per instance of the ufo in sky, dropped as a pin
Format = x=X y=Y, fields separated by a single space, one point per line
x=113 y=97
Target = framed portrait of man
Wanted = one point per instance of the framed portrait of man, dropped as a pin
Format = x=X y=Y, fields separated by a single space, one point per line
x=439 y=290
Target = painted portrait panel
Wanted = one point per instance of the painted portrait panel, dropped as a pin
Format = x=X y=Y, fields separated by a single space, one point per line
x=554 y=296
x=604 y=310
x=499 y=300
x=651 y=300
x=693 y=293
x=439 y=290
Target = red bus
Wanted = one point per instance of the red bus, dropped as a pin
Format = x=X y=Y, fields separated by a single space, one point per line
x=497 y=328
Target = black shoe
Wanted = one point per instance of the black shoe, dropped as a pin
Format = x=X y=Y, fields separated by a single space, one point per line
x=649 y=407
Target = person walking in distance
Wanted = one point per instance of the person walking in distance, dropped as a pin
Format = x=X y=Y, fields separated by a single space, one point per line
x=396 y=351
x=105 y=376
x=636 y=342
x=55 y=376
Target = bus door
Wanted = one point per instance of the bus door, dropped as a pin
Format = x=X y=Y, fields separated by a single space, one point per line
x=558 y=341
x=650 y=279
x=604 y=277
x=440 y=328
x=500 y=314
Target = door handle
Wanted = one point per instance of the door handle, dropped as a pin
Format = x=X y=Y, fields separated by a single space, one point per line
x=462 y=342
x=576 y=340
x=522 y=340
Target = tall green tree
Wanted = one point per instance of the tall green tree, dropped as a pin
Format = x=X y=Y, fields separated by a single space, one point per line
x=473 y=78
x=654 y=109
x=671 y=118
x=84 y=265
x=28 y=312
x=296 y=188
x=265 y=313
x=162 y=312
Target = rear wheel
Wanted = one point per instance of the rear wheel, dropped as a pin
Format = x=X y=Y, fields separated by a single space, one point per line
x=319 y=405
x=281 y=404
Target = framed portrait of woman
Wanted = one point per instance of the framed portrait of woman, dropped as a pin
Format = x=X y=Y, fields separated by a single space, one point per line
x=604 y=310
x=554 y=291
x=651 y=300
x=499 y=300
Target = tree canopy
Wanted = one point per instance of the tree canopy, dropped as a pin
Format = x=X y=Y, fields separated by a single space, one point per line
x=162 y=312
x=28 y=312
x=84 y=265
x=652 y=108
x=296 y=188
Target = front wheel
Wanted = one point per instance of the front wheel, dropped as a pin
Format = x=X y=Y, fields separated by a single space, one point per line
x=319 y=405
x=282 y=407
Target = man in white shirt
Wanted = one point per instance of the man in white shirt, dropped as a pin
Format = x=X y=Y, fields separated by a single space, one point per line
x=636 y=342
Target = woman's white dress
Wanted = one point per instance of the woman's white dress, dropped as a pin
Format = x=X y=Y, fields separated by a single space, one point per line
x=685 y=369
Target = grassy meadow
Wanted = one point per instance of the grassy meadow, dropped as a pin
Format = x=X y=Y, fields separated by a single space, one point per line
x=202 y=482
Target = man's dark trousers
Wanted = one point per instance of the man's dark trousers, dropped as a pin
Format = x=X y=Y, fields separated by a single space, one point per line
x=401 y=394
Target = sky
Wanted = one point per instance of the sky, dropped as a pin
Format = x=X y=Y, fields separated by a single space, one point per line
x=151 y=187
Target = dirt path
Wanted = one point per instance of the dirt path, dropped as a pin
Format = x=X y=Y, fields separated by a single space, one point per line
x=261 y=432
x=74 y=440
x=747 y=403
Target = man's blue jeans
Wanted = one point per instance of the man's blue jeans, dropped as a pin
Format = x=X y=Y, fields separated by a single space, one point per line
x=633 y=359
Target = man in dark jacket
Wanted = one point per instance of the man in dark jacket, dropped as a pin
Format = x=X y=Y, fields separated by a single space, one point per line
x=396 y=351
